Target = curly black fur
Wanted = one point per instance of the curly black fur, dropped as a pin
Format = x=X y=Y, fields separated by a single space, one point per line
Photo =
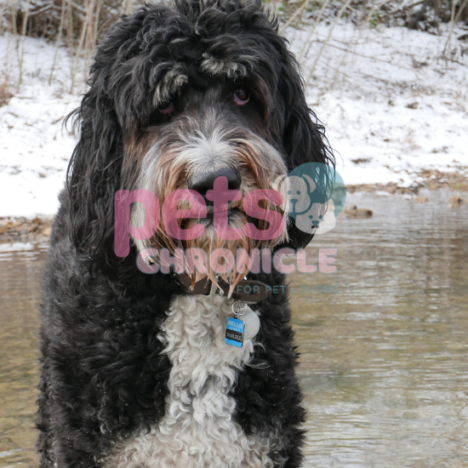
x=103 y=376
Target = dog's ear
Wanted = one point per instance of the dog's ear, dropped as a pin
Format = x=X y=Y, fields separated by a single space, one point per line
x=95 y=167
x=304 y=138
x=94 y=174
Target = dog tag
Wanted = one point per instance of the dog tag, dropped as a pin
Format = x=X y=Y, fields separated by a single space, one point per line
x=243 y=313
x=235 y=332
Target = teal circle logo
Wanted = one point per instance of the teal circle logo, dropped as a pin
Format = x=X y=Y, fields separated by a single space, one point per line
x=316 y=195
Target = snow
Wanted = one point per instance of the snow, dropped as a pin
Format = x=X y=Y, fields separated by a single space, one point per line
x=387 y=97
x=34 y=148
x=390 y=100
x=16 y=246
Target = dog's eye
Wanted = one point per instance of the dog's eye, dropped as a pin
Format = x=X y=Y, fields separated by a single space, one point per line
x=241 y=96
x=166 y=108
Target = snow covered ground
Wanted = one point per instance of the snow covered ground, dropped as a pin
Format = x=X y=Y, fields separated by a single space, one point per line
x=391 y=103
x=389 y=100
x=34 y=149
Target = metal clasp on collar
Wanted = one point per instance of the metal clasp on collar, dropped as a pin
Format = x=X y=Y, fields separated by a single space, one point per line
x=239 y=308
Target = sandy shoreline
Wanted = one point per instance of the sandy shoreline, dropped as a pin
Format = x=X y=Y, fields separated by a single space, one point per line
x=13 y=230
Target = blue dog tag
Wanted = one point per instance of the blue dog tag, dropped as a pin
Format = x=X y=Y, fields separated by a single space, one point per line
x=235 y=332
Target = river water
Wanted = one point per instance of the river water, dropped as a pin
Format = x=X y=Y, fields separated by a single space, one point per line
x=383 y=340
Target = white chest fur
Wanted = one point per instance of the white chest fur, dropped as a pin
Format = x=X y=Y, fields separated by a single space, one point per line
x=198 y=430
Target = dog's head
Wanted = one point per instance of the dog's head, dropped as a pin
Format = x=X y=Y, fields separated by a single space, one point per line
x=178 y=98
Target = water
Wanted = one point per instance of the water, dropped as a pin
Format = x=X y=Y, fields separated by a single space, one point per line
x=384 y=358
x=384 y=361
x=20 y=274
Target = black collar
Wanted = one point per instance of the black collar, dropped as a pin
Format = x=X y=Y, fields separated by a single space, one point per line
x=250 y=291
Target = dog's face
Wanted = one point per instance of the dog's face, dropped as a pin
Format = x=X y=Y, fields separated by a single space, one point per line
x=212 y=123
x=181 y=96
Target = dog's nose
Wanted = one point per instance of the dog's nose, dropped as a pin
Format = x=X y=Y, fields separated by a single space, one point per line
x=203 y=182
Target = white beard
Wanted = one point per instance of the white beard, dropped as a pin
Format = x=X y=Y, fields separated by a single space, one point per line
x=198 y=429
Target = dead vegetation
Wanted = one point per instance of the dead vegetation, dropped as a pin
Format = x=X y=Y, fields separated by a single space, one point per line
x=25 y=230
x=431 y=179
x=74 y=24
x=81 y=22
x=78 y=24
x=5 y=94
x=426 y=15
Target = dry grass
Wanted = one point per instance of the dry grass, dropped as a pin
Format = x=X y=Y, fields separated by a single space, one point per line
x=5 y=94
x=79 y=24
x=85 y=20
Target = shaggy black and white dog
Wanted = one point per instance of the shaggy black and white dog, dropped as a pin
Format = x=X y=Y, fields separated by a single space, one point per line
x=135 y=369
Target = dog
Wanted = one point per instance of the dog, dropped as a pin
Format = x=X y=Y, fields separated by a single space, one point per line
x=136 y=371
